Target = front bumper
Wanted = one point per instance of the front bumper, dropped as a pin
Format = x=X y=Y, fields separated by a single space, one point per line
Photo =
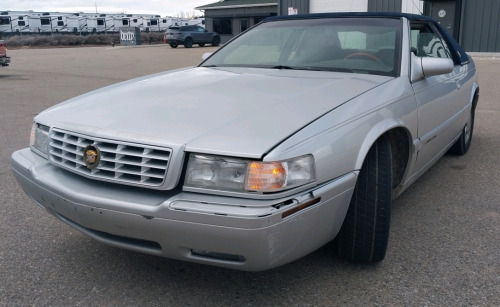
x=229 y=232
x=4 y=61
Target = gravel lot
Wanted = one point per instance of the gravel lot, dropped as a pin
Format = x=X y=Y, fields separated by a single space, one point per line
x=444 y=248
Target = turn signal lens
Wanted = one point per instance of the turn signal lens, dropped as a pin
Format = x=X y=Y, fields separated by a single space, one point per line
x=265 y=176
x=279 y=175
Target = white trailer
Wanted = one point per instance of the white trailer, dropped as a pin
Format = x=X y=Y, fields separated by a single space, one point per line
x=117 y=22
x=59 y=23
x=139 y=21
x=74 y=24
x=34 y=23
x=19 y=23
x=153 y=25
x=47 y=22
x=156 y=23
x=97 y=23
x=197 y=21
x=5 y=24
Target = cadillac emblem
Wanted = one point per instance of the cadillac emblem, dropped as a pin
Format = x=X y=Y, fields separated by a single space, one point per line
x=91 y=156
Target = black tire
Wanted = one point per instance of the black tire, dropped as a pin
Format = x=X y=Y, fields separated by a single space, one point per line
x=188 y=42
x=462 y=145
x=201 y=44
x=365 y=232
x=173 y=45
x=216 y=41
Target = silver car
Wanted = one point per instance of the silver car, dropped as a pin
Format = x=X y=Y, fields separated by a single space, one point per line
x=299 y=131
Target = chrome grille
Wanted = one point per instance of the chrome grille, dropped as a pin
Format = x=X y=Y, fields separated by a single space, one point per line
x=127 y=163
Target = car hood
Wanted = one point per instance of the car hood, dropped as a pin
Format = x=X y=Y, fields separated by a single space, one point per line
x=235 y=111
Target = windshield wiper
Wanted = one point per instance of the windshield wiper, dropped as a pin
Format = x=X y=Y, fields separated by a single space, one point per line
x=283 y=67
x=313 y=68
x=333 y=69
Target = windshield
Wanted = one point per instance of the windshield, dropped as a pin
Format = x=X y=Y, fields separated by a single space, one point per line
x=361 y=45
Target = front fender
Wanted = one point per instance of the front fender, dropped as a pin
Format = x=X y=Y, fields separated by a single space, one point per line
x=473 y=92
x=375 y=133
x=341 y=139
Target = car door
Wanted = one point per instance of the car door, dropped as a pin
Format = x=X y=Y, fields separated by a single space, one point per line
x=199 y=34
x=438 y=97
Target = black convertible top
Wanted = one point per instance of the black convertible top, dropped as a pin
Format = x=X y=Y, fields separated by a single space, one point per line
x=460 y=55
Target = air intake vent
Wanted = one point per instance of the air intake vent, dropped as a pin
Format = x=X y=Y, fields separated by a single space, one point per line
x=119 y=162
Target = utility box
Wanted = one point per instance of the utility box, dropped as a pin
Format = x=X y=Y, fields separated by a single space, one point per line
x=130 y=36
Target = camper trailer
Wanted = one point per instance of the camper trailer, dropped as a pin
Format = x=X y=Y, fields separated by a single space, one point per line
x=50 y=22
x=97 y=23
x=19 y=23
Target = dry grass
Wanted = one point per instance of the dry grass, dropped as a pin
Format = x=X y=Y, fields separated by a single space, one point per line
x=62 y=40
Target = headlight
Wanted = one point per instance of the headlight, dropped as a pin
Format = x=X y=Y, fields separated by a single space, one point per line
x=221 y=173
x=39 y=139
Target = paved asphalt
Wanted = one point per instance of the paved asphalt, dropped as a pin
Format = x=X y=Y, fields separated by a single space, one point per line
x=444 y=247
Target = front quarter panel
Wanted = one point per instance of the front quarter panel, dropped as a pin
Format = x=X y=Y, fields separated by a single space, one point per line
x=341 y=139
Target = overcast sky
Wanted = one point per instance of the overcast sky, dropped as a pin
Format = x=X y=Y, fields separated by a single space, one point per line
x=159 y=7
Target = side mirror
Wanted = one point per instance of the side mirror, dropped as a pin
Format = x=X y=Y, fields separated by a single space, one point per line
x=206 y=55
x=424 y=67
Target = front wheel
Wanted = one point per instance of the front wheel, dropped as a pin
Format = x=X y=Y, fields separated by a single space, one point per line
x=365 y=232
x=174 y=45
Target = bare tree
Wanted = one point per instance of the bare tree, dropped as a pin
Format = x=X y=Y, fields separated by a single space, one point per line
x=186 y=14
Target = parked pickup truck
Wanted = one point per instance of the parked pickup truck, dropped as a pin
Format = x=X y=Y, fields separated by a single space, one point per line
x=4 y=59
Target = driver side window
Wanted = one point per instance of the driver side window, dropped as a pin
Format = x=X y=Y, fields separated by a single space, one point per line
x=426 y=42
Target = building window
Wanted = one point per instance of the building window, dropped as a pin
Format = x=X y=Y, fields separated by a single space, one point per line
x=223 y=26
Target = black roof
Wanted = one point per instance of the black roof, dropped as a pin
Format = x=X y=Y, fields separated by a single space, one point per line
x=353 y=14
x=460 y=54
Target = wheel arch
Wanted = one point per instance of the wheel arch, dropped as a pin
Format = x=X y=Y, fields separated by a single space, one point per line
x=474 y=94
x=401 y=143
